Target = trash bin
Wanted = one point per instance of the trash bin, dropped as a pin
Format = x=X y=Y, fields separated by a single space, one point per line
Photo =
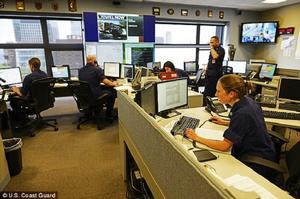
x=12 y=148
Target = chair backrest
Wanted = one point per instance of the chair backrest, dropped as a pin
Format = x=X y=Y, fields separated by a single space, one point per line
x=41 y=93
x=199 y=81
x=82 y=94
x=293 y=165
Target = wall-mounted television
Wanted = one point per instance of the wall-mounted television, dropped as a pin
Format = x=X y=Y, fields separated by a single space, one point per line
x=259 y=32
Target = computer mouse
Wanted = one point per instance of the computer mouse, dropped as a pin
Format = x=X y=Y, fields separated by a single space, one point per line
x=210 y=120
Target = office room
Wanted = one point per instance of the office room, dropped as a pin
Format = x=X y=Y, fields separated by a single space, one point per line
x=132 y=154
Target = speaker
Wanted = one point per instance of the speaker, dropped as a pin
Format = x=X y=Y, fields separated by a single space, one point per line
x=116 y=2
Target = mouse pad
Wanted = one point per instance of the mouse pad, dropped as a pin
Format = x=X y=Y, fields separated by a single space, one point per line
x=204 y=155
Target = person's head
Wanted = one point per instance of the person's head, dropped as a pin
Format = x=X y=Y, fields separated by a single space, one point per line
x=231 y=88
x=34 y=64
x=169 y=66
x=91 y=59
x=214 y=41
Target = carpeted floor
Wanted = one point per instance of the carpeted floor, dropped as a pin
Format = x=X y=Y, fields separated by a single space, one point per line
x=75 y=163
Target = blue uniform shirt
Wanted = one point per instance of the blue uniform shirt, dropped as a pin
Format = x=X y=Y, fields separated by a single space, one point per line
x=248 y=132
x=93 y=75
x=35 y=75
x=214 y=66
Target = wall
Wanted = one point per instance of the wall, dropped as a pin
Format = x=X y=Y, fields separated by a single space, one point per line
x=288 y=17
x=233 y=18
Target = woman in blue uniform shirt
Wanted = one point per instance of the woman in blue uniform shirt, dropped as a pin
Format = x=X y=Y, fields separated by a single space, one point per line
x=247 y=131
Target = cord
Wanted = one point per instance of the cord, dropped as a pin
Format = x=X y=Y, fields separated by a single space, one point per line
x=203 y=123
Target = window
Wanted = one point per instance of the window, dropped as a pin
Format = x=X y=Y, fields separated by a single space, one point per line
x=185 y=41
x=52 y=39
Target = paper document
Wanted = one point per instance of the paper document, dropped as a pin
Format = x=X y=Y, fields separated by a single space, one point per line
x=245 y=183
x=210 y=134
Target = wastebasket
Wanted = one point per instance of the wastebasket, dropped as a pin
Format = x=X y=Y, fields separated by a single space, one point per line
x=12 y=148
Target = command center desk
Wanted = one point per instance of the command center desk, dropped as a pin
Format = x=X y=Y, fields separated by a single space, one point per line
x=170 y=170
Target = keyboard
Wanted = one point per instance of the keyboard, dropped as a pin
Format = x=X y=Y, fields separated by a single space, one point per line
x=184 y=123
x=281 y=115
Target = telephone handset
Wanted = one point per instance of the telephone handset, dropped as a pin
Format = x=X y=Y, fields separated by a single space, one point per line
x=251 y=75
x=214 y=105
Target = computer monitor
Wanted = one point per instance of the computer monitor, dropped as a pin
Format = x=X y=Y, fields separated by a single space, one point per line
x=170 y=95
x=288 y=89
x=225 y=62
x=147 y=99
x=112 y=69
x=238 y=66
x=190 y=66
x=61 y=72
x=156 y=65
x=127 y=71
x=11 y=76
x=150 y=65
x=267 y=71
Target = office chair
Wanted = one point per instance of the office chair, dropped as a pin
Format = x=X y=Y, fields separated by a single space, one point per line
x=41 y=98
x=87 y=103
x=292 y=184
x=199 y=81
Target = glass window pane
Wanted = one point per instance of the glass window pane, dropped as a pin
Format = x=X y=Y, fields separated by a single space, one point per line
x=175 y=55
x=206 y=32
x=62 y=31
x=175 y=34
x=203 y=58
x=20 y=57
x=20 y=31
x=71 y=58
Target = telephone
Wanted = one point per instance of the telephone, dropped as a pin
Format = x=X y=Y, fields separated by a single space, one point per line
x=251 y=75
x=214 y=105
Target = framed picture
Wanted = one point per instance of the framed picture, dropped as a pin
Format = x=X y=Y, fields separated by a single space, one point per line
x=184 y=12
x=156 y=10
x=221 y=14
x=209 y=13
x=20 y=4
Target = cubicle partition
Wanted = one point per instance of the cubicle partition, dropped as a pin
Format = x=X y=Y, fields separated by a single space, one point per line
x=168 y=169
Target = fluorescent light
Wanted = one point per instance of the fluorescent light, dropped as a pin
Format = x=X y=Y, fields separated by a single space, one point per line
x=273 y=1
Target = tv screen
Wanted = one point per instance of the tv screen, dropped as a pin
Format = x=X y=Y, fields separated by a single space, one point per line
x=259 y=32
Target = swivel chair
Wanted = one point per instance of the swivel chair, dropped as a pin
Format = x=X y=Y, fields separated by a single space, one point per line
x=199 y=81
x=40 y=99
x=86 y=102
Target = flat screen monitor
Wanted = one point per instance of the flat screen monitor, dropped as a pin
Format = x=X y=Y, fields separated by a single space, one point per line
x=150 y=65
x=259 y=32
x=238 y=66
x=61 y=72
x=267 y=71
x=190 y=66
x=112 y=69
x=127 y=71
x=11 y=76
x=225 y=62
x=156 y=65
x=148 y=99
x=170 y=95
x=288 y=89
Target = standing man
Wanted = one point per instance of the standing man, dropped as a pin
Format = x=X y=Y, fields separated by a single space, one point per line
x=214 y=67
x=94 y=75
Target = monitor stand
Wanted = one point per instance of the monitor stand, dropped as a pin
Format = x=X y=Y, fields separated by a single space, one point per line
x=169 y=113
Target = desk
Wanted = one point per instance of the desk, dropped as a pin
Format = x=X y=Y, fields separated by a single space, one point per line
x=168 y=168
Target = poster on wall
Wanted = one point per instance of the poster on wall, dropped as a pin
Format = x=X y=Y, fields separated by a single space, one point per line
x=112 y=26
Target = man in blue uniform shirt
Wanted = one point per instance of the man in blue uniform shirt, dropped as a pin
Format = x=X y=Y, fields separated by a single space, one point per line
x=94 y=75
x=214 y=67
x=19 y=114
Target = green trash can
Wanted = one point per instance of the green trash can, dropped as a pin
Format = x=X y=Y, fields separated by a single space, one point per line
x=12 y=148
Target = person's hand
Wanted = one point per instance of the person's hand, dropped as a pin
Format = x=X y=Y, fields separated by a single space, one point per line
x=14 y=89
x=218 y=120
x=190 y=133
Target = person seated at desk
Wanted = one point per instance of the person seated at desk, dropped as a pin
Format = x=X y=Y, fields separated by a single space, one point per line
x=247 y=131
x=94 y=75
x=169 y=67
x=18 y=114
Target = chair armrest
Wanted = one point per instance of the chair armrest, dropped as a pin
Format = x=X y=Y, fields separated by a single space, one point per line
x=19 y=98
x=264 y=162
x=101 y=97
x=278 y=136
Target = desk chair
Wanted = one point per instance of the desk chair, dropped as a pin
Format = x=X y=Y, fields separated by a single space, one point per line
x=87 y=103
x=199 y=81
x=41 y=98
x=292 y=184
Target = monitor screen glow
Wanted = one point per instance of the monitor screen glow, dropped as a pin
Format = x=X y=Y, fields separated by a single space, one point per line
x=267 y=71
x=171 y=94
x=112 y=69
x=11 y=76
x=61 y=72
x=127 y=71
x=190 y=66
x=238 y=66
x=288 y=87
